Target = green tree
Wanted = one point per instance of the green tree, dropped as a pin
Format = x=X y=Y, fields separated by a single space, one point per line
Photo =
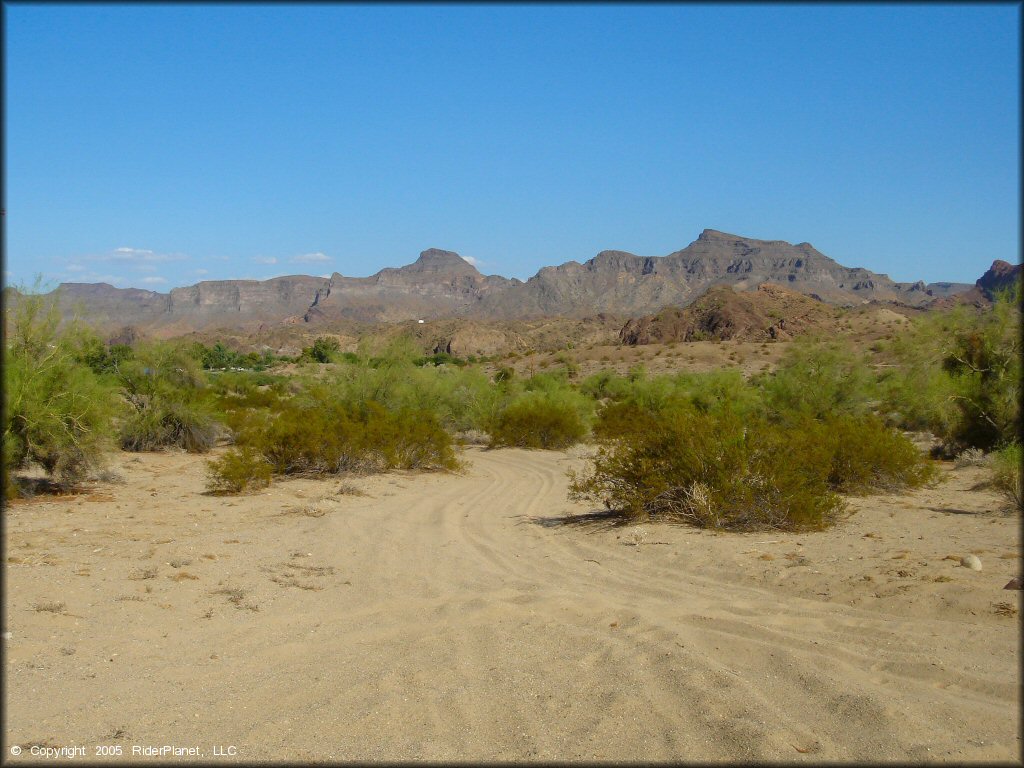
x=325 y=349
x=57 y=412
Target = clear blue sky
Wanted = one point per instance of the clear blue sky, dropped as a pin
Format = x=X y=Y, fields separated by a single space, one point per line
x=157 y=145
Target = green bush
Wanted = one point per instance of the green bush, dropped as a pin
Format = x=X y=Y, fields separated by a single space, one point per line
x=169 y=420
x=985 y=363
x=102 y=359
x=237 y=471
x=164 y=386
x=504 y=373
x=440 y=358
x=1006 y=466
x=458 y=398
x=605 y=385
x=57 y=411
x=318 y=434
x=957 y=374
x=714 y=390
x=714 y=471
x=538 y=420
x=820 y=380
x=867 y=456
x=623 y=418
x=734 y=468
x=411 y=440
x=325 y=349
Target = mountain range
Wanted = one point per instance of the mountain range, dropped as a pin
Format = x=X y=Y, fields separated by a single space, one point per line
x=441 y=284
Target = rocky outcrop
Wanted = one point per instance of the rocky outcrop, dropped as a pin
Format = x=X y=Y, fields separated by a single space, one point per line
x=1000 y=276
x=769 y=312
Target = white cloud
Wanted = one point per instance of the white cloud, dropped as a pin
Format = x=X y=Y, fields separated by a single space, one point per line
x=200 y=271
x=265 y=260
x=154 y=280
x=139 y=255
x=311 y=258
x=471 y=260
x=88 y=267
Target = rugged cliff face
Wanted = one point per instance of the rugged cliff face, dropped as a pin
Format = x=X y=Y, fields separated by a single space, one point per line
x=1000 y=276
x=440 y=284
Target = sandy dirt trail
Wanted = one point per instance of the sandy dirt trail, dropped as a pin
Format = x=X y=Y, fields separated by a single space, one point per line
x=458 y=617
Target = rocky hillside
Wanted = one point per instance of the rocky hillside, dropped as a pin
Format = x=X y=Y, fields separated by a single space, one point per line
x=440 y=284
x=769 y=312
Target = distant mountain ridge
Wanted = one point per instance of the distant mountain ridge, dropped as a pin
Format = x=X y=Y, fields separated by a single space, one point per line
x=441 y=284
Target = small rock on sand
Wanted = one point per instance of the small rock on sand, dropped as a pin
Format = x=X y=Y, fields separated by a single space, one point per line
x=1015 y=583
x=971 y=561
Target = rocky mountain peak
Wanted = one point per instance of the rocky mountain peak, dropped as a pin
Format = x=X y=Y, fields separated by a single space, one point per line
x=438 y=260
x=709 y=235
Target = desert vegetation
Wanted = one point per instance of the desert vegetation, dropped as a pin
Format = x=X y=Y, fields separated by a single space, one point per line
x=57 y=410
x=716 y=449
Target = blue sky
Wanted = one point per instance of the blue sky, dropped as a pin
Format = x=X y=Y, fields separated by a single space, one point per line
x=158 y=145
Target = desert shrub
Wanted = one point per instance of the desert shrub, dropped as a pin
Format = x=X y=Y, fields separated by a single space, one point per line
x=818 y=380
x=916 y=392
x=712 y=470
x=458 y=398
x=504 y=373
x=245 y=399
x=238 y=470
x=164 y=386
x=169 y=420
x=57 y=411
x=619 y=419
x=220 y=357
x=985 y=363
x=325 y=349
x=605 y=385
x=411 y=440
x=549 y=381
x=971 y=457
x=102 y=359
x=318 y=434
x=957 y=374
x=571 y=366
x=439 y=358
x=1006 y=467
x=866 y=455
x=539 y=420
x=729 y=467
x=305 y=439
x=216 y=357
x=715 y=390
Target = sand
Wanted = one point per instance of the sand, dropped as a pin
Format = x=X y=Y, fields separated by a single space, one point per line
x=448 y=617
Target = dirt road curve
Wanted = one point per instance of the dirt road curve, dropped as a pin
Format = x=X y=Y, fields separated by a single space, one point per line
x=453 y=617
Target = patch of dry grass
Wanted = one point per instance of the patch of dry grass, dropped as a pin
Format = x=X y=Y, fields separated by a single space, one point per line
x=50 y=607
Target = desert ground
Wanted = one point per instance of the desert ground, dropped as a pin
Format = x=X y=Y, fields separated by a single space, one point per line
x=481 y=616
